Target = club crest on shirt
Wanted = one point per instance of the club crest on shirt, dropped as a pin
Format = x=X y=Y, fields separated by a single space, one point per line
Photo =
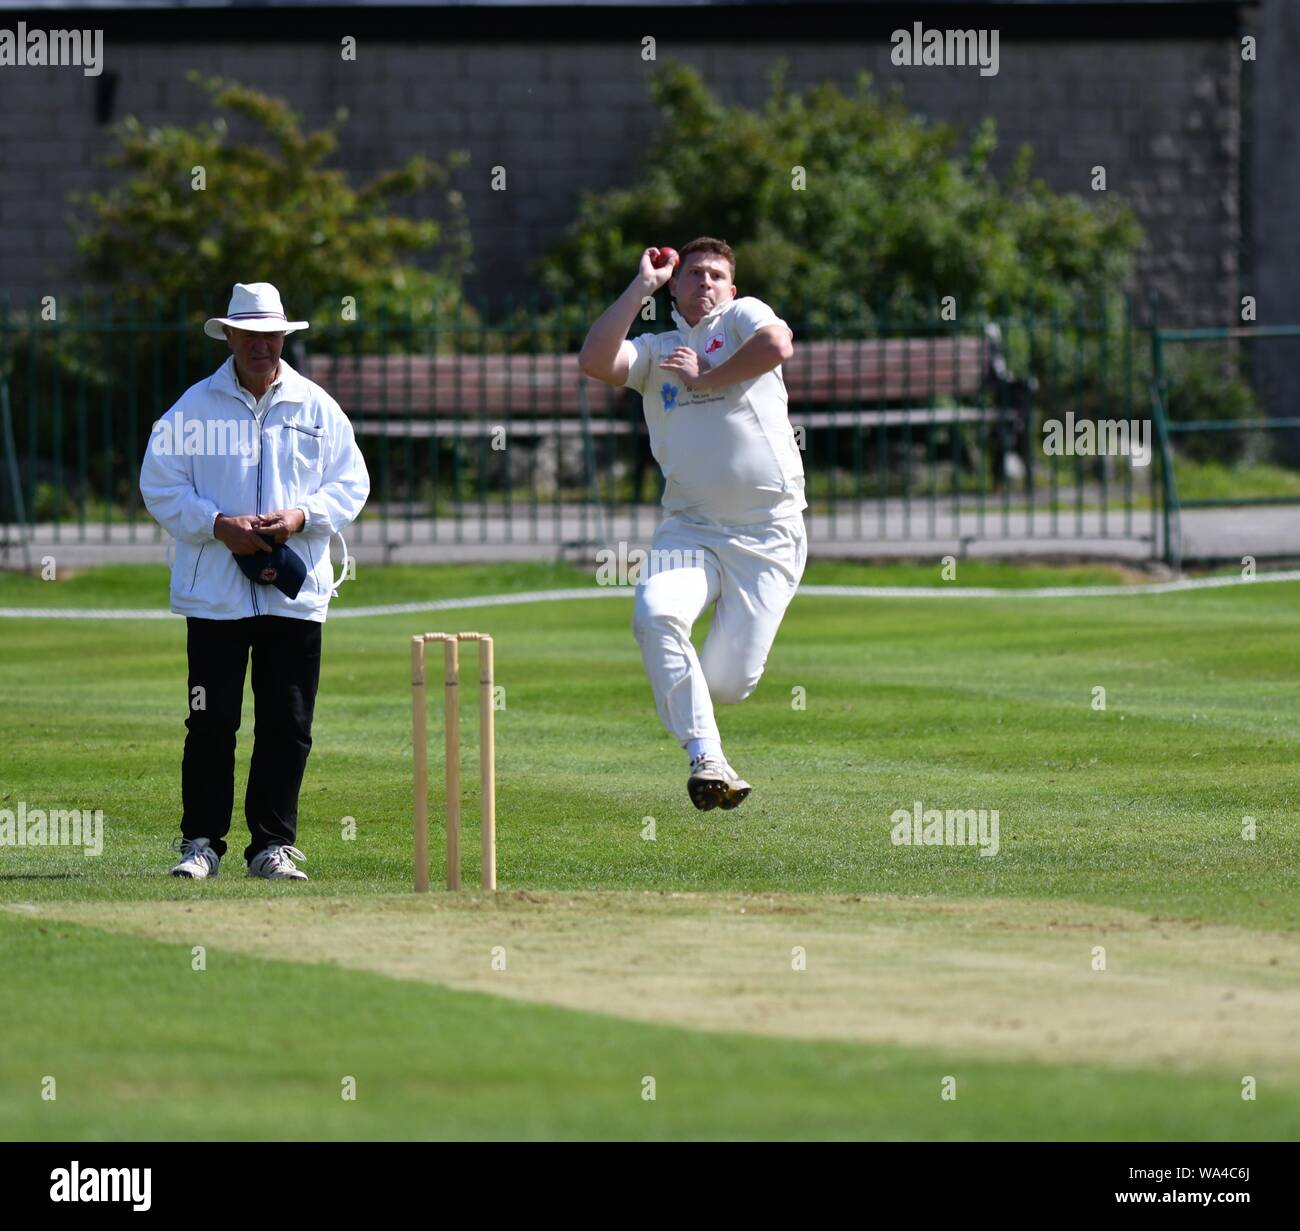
x=715 y=344
x=669 y=394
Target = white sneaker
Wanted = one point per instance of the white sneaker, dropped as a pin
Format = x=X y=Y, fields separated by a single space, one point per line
x=198 y=860
x=714 y=784
x=276 y=864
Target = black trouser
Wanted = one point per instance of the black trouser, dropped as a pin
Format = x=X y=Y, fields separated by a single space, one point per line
x=286 y=672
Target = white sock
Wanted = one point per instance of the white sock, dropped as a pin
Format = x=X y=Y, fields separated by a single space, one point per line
x=699 y=747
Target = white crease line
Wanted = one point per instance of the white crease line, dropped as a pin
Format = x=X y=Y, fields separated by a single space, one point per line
x=561 y=596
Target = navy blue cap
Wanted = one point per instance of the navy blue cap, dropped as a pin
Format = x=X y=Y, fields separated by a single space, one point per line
x=279 y=567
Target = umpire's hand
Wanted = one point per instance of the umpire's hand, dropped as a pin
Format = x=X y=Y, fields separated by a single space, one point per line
x=240 y=534
x=280 y=524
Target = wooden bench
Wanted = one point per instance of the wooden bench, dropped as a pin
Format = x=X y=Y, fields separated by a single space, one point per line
x=871 y=382
x=904 y=384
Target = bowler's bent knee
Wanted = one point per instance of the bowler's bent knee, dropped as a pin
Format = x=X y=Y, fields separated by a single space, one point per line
x=729 y=689
x=650 y=617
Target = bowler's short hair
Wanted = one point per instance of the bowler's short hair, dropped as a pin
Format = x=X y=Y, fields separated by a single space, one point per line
x=718 y=247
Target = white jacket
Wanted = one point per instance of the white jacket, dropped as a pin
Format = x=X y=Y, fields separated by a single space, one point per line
x=209 y=454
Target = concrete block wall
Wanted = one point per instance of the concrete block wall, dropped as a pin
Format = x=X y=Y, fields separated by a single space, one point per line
x=564 y=117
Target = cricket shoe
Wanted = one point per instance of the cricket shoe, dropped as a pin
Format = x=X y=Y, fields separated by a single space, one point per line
x=275 y=863
x=198 y=860
x=714 y=784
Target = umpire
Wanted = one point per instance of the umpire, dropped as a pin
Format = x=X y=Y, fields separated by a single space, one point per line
x=251 y=472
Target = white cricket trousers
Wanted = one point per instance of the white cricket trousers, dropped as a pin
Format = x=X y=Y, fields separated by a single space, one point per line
x=752 y=573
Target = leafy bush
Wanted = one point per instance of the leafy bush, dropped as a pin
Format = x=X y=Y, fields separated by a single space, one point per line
x=1204 y=382
x=271 y=210
x=893 y=216
x=163 y=256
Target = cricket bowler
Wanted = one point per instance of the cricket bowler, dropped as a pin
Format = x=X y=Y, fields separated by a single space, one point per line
x=733 y=535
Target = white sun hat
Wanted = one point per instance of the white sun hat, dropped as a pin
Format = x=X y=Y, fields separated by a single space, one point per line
x=254 y=306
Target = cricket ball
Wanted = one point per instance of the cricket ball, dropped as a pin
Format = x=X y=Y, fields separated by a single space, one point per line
x=665 y=256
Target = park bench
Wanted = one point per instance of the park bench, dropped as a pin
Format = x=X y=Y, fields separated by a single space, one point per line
x=923 y=382
x=867 y=381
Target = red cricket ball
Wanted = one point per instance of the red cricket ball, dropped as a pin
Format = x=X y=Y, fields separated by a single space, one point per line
x=665 y=256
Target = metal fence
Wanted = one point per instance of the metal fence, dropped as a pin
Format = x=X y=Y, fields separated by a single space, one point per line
x=913 y=433
x=1266 y=441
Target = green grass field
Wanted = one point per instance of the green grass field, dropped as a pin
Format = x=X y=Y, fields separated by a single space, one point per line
x=674 y=958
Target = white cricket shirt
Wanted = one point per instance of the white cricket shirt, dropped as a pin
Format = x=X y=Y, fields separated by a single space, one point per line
x=728 y=454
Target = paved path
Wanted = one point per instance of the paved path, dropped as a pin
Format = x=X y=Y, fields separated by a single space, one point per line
x=862 y=532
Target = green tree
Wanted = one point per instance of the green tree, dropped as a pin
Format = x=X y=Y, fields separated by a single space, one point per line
x=271 y=209
x=162 y=254
x=893 y=213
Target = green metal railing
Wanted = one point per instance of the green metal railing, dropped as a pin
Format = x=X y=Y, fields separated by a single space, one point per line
x=895 y=449
x=1241 y=340
x=12 y=512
